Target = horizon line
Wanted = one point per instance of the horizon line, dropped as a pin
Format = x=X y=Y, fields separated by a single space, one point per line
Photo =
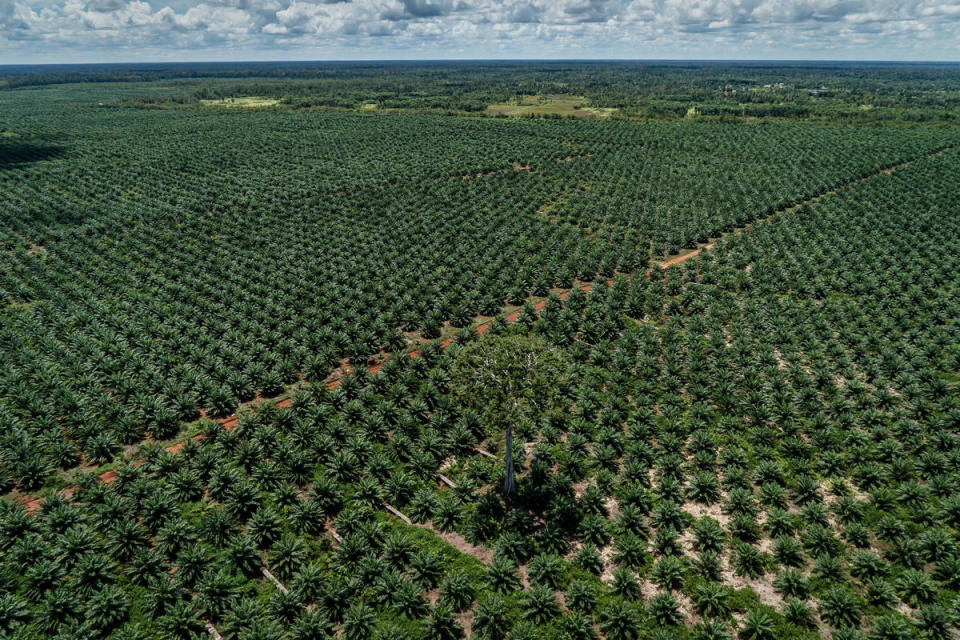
x=489 y=60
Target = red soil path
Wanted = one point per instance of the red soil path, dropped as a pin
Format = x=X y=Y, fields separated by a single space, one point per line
x=686 y=256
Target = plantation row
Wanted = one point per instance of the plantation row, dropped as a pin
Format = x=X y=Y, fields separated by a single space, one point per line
x=741 y=445
x=189 y=259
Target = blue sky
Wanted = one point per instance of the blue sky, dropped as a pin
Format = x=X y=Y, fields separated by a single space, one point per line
x=52 y=31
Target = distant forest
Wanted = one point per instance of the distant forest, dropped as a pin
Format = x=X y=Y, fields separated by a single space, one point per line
x=735 y=91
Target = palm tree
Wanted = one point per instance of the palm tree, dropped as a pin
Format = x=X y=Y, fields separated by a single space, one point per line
x=125 y=538
x=214 y=591
x=890 y=627
x=710 y=630
x=286 y=556
x=668 y=573
x=916 y=588
x=619 y=621
x=502 y=575
x=491 y=620
x=665 y=610
x=283 y=607
x=358 y=621
x=162 y=594
x=624 y=584
x=540 y=605
x=582 y=596
x=757 y=625
x=243 y=555
x=193 y=562
x=312 y=625
x=839 y=607
x=426 y=568
x=933 y=623
x=442 y=625
x=145 y=566
x=458 y=591
x=181 y=622
x=546 y=569
x=712 y=600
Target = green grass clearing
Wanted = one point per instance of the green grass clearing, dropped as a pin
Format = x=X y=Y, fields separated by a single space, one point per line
x=556 y=104
x=246 y=102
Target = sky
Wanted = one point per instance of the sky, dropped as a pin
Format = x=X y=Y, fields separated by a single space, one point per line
x=58 y=31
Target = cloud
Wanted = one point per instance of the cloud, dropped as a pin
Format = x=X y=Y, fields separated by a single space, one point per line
x=423 y=8
x=488 y=28
x=104 y=5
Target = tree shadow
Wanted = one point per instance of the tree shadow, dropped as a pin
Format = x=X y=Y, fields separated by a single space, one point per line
x=16 y=153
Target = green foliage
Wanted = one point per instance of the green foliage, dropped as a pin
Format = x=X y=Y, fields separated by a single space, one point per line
x=780 y=406
x=510 y=378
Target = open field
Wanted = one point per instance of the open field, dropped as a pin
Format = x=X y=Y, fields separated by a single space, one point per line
x=244 y=102
x=555 y=105
x=257 y=367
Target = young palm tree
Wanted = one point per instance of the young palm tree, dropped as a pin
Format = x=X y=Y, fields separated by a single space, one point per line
x=214 y=591
x=181 y=622
x=162 y=594
x=630 y=551
x=458 y=591
x=748 y=561
x=588 y=559
x=620 y=621
x=707 y=564
x=442 y=625
x=711 y=630
x=286 y=556
x=709 y=535
x=665 y=610
x=791 y=583
x=358 y=621
x=540 y=605
x=426 y=569
x=840 y=608
x=491 y=620
x=757 y=625
x=546 y=569
x=668 y=573
x=582 y=596
x=712 y=600
x=312 y=625
x=502 y=575
x=799 y=613
x=916 y=588
x=624 y=584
